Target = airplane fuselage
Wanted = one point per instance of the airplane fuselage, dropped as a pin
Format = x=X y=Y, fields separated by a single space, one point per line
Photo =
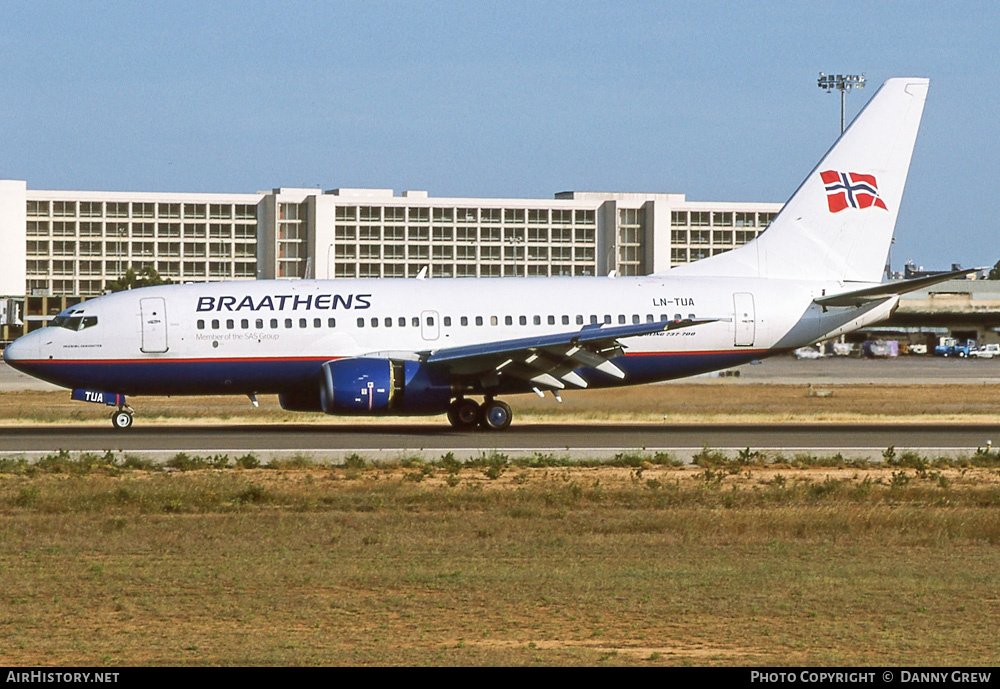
x=272 y=336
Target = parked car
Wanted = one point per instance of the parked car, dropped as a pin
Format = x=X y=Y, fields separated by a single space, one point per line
x=918 y=349
x=986 y=351
x=807 y=353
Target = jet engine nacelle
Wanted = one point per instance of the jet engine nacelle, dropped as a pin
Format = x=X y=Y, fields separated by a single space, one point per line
x=372 y=386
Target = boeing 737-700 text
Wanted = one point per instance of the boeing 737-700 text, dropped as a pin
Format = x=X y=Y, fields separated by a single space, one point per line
x=428 y=346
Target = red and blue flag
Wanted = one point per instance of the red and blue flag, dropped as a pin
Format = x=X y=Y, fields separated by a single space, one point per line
x=851 y=190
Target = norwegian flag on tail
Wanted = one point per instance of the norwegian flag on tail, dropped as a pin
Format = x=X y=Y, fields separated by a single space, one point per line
x=850 y=190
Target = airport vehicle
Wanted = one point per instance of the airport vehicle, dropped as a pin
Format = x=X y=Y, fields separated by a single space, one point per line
x=951 y=347
x=807 y=353
x=428 y=346
x=880 y=349
x=985 y=351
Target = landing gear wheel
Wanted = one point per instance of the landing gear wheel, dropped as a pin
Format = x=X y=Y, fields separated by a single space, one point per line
x=464 y=413
x=496 y=415
x=122 y=419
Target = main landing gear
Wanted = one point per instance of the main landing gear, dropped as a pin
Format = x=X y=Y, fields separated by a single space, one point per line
x=492 y=415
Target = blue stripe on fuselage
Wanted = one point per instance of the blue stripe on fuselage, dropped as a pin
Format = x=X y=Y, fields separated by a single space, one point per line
x=271 y=376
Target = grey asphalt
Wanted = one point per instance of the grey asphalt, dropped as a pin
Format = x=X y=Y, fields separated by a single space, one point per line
x=333 y=442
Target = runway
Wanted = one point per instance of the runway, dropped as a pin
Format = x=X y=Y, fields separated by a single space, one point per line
x=375 y=442
x=378 y=440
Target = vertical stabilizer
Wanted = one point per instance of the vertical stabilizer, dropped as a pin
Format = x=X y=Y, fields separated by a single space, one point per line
x=838 y=224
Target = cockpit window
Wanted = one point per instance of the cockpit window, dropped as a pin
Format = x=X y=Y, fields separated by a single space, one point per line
x=73 y=320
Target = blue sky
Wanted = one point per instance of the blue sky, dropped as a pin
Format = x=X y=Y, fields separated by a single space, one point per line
x=717 y=100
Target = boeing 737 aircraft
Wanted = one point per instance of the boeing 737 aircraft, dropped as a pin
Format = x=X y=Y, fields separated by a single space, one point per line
x=428 y=346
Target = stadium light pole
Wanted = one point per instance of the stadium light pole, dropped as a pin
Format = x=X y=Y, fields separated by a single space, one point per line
x=842 y=83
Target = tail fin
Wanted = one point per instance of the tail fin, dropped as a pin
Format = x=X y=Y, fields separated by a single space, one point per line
x=839 y=222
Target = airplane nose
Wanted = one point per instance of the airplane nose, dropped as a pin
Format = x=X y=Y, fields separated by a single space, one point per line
x=21 y=349
x=9 y=352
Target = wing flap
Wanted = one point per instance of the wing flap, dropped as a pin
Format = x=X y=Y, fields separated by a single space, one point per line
x=551 y=361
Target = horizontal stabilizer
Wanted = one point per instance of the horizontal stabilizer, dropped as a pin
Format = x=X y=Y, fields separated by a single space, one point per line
x=867 y=295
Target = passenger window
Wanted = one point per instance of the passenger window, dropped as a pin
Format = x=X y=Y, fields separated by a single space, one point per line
x=317 y=322
x=215 y=324
x=388 y=321
x=374 y=322
x=303 y=323
x=430 y=320
x=565 y=320
x=523 y=320
x=579 y=319
x=479 y=320
x=415 y=321
x=552 y=320
x=677 y=317
x=361 y=322
x=465 y=320
x=288 y=322
x=230 y=324
x=201 y=324
x=649 y=318
x=402 y=321
x=259 y=324
x=508 y=320
x=245 y=324
x=331 y=322
x=274 y=324
x=493 y=320
x=635 y=319
x=607 y=319
x=621 y=319
x=447 y=321
x=593 y=320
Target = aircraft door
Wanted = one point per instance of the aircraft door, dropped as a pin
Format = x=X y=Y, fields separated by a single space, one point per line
x=154 y=325
x=744 y=318
x=429 y=325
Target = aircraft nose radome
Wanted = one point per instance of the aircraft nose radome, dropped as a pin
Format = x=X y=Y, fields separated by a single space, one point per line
x=17 y=351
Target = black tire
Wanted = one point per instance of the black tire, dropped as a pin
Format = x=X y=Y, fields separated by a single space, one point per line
x=121 y=419
x=464 y=413
x=497 y=416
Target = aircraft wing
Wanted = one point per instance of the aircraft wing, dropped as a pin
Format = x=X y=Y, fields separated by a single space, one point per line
x=867 y=295
x=550 y=361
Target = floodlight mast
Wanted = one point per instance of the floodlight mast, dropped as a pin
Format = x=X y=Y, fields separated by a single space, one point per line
x=842 y=83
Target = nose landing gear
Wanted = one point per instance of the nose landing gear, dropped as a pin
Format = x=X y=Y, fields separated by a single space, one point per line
x=122 y=419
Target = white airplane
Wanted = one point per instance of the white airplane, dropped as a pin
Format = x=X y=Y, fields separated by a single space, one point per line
x=417 y=346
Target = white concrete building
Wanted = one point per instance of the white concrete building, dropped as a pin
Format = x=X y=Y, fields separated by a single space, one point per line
x=73 y=242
